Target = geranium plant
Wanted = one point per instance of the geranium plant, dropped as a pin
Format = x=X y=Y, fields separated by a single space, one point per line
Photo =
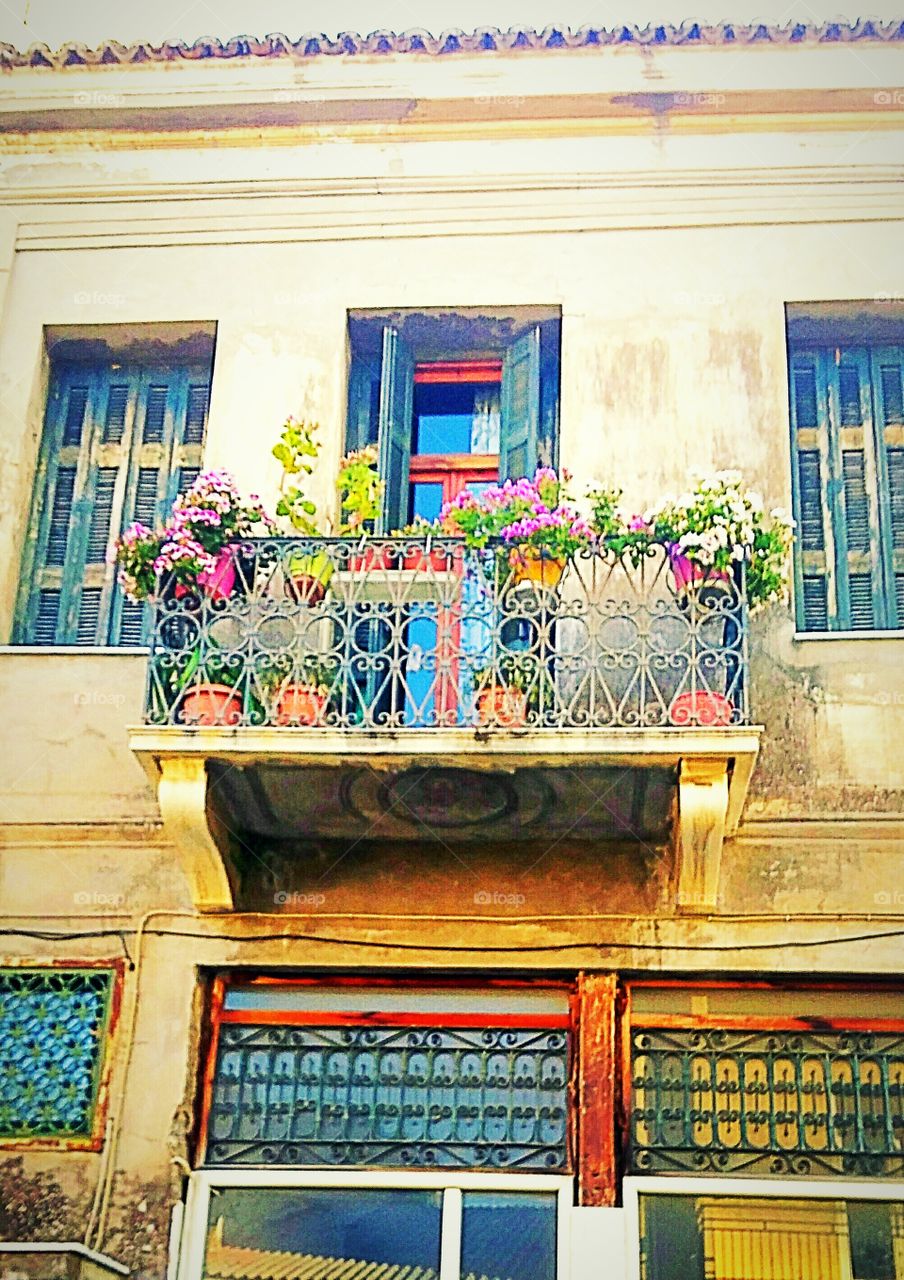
x=718 y=524
x=521 y=512
x=208 y=518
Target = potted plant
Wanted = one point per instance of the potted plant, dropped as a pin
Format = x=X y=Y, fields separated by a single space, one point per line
x=614 y=531
x=360 y=503
x=530 y=522
x=195 y=552
x=308 y=573
x=717 y=526
x=202 y=691
x=421 y=559
x=301 y=692
x=502 y=691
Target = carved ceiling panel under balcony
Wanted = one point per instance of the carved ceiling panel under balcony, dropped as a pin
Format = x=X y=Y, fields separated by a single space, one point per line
x=594 y=802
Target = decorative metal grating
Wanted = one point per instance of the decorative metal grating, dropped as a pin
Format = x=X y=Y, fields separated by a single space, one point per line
x=774 y=1102
x=396 y=1096
x=404 y=634
x=52 y=1024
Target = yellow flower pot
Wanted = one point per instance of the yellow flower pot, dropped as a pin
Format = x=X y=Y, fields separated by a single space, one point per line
x=532 y=564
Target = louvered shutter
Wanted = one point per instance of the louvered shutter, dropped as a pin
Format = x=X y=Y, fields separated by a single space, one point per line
x=171 y=418
x=888 y=408
x=847 y=415
x=117 y=440
x=814 y=562
x=394 y=431
x=520 y=409
x=859 y=575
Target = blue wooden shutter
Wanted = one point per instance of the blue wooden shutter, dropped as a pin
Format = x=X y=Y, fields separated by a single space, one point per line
x=116 y=442
x=888 y=409
x=519 y=437
x=860 y=586
x=841 y=476
x=814 y=558
x=394 y=432
x=362 y=423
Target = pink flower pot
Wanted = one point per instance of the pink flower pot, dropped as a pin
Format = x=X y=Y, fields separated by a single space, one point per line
x=687 y=574
x=219 y=583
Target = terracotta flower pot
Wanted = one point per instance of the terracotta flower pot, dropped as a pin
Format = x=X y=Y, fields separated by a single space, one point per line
x=532 y=564
x=212 y=704
x=503 y=706
x=438 y=561
x=381 y=556
x=701 y=708
x=301 y=704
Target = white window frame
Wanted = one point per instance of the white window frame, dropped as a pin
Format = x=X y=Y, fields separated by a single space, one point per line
x=780 y=1188
x=452 y=1183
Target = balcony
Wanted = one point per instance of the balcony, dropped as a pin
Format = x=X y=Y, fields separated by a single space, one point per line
x=334 y=677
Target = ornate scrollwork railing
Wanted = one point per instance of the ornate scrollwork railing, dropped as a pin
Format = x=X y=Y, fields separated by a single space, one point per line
x=403 y=634
x=783 y=1102
x=411 y=1096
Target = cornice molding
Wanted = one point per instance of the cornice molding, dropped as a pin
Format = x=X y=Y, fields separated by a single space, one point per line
x=452 y=42
x=243 y=212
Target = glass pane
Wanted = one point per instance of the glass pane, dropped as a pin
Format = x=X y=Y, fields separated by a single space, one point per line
x=426 y=499
x=249 y=1226
x=743 y=1238
x=456 y=418
x=508 y=1235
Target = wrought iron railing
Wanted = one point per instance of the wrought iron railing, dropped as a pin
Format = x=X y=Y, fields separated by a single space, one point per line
x=471 y=1097
x=409 y=633
x=782 y=1102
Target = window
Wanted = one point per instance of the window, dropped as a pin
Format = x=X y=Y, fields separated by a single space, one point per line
x=423 y=1225
x=755 y=1231
x=777 y=1082
x=349 y=1075
x=847 y=419
x=452 y=399
x=54 y=1025
x=123 y=435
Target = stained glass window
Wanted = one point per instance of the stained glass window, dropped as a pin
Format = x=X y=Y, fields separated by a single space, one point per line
x=52 y=1028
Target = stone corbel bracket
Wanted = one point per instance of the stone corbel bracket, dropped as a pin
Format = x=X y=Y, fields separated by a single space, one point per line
x=711 y=794
x=182 y=796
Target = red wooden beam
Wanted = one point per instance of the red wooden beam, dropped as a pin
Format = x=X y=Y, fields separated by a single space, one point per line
x=598 y=1065
x=447 y=371
x=375 y=1017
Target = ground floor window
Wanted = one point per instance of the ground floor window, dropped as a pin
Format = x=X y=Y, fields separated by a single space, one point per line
x=755 y=1230
x=421 y=1226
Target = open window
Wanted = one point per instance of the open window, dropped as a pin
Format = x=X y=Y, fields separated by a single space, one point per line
x=453 y=400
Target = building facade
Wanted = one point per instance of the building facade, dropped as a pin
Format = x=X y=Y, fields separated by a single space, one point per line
x=609 y=991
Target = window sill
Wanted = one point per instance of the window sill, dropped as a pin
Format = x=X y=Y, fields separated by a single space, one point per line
x=891 y=633
x=57 y=650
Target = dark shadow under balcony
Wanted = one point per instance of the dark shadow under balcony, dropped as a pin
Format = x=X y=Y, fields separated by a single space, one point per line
x=408 y=655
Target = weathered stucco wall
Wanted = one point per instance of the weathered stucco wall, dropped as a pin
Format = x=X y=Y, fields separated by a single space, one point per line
x=671 y=251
